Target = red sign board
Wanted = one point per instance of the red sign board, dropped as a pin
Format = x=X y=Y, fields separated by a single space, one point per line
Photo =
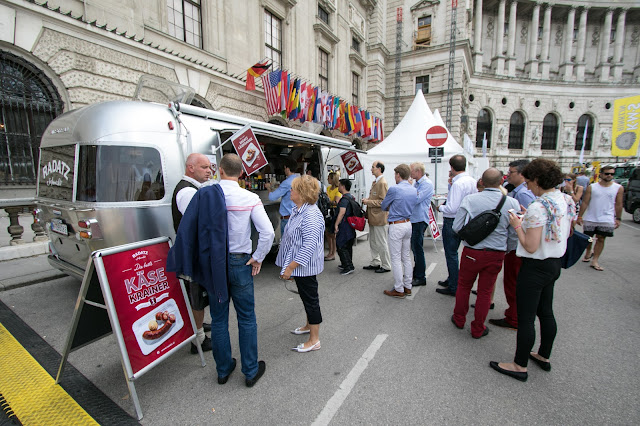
x=149 y=302
x=351 y=162
x=437 y=135
x=433 y=225
x=249 y=150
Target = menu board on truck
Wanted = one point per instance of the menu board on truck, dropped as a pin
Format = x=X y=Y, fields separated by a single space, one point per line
x=351 y=162
x=249 y=150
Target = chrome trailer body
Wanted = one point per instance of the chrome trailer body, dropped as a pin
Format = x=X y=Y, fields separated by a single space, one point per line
x=107 y=171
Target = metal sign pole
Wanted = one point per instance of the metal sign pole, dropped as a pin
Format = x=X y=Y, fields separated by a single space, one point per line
x=435 y=191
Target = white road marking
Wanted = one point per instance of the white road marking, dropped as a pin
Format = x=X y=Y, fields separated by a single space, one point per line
x=630 y=226
x=333 y=405
x=428 y=272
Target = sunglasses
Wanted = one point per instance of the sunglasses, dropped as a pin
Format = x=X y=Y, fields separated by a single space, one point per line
x=608 y=174
x=568 y=179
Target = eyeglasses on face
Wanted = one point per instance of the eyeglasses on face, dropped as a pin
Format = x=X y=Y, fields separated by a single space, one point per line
x=568 y=179
x=608 y=174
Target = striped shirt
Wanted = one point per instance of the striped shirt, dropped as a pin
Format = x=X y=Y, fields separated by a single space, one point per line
x=303 y=242
x=244 y=207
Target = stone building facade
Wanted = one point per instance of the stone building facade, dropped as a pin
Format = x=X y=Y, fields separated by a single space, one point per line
x=525 y=89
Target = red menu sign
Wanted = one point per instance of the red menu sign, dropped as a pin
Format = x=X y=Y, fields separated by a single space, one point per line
x=433 y=225
x=249 y=150
x=149 y=302
x=351 y=162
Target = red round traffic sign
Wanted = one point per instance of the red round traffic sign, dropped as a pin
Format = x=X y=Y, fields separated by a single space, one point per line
x=437 y=136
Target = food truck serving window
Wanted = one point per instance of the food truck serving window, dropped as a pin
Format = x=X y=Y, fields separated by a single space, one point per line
x=119 y=173
x=56 y=172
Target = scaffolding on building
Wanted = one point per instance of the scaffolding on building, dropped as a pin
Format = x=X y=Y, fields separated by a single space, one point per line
x=452 y=58
x=396 y=99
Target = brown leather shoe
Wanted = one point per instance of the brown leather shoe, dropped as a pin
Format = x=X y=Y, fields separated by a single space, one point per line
x=407 y=291
x=394 y=293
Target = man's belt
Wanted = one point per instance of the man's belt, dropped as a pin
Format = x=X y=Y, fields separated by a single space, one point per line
x=285 y=217
x=399 y=221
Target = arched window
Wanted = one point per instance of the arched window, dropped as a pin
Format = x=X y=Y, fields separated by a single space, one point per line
x=549 y=132
x=483 y=126
x=585 y=121
x=516 y=131
x=28 y=103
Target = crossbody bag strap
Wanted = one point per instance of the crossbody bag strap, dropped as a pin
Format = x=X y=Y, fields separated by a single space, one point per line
x=500 y=204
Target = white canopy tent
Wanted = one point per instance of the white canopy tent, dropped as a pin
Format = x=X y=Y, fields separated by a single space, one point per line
x=407 y=144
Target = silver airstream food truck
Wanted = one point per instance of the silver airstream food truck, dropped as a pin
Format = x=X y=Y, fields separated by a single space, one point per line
x=108 y=171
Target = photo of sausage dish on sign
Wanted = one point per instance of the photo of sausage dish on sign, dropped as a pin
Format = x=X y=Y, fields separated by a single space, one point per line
x=157 y=325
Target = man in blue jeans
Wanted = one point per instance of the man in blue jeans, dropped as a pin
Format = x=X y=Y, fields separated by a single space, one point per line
x=243 y=208
x=461 y=185
x=419 y=221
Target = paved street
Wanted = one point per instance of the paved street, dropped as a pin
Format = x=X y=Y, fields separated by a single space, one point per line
x=384 y=360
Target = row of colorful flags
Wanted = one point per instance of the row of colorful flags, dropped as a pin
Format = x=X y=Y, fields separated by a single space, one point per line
x=296 y=99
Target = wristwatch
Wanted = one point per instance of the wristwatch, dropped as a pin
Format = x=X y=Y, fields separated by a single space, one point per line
x=618 y=218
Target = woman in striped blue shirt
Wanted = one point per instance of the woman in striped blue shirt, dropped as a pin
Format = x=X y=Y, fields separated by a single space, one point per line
x=301 y=255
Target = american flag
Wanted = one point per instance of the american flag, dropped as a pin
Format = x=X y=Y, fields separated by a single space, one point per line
x=271 y=86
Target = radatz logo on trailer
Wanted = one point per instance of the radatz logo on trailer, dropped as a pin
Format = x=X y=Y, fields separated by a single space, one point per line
x=53 y=168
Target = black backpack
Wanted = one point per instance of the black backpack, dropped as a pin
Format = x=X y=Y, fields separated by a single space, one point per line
x=479 y=228
x=324 y=203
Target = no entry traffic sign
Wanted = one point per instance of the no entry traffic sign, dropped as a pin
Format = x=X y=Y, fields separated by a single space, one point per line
x=436 y=136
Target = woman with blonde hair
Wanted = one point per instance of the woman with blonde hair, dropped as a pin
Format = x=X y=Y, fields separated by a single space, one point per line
x=301 y=255
x=334 y=197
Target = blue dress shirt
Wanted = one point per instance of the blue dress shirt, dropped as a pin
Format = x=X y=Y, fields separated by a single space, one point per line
x=425 y=193
x=400 y=201
x=284 y=192
x=523 y=195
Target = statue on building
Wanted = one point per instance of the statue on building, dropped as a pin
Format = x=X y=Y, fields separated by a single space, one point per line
x=535 y=135
x=605 y=137
x=502 y=135
x=571 y=137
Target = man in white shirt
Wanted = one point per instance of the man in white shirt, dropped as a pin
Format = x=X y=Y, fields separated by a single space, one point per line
x=461 y=185
x=197 y=171
x=243 y=208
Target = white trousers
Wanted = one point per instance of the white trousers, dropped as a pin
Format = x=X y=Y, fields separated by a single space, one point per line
x=379 y=247
x=400 y=251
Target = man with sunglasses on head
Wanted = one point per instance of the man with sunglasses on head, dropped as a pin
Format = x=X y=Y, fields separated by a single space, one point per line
x=601 y=213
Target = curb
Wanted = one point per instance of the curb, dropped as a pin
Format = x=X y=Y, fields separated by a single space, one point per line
x=26 y=280
x=24 y=250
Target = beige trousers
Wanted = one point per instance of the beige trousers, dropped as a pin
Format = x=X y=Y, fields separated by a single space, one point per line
x=379 y=247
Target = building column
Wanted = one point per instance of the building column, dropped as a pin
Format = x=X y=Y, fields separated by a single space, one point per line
x=497 y=61
x=582 y=44
x=602 y=69
x=618 y=57
x=531 y=66
x=546 y=39
x=477 y=43
x=566 y=69
x=511 y=41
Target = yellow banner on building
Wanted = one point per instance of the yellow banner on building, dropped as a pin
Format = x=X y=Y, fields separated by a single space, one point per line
x=626 y=127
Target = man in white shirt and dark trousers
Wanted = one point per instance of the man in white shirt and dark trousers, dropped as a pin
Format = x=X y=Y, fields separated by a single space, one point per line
x=243 y=208
x=461 y=185
x=197 y=171
x=419 y=221
x=483 y=260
